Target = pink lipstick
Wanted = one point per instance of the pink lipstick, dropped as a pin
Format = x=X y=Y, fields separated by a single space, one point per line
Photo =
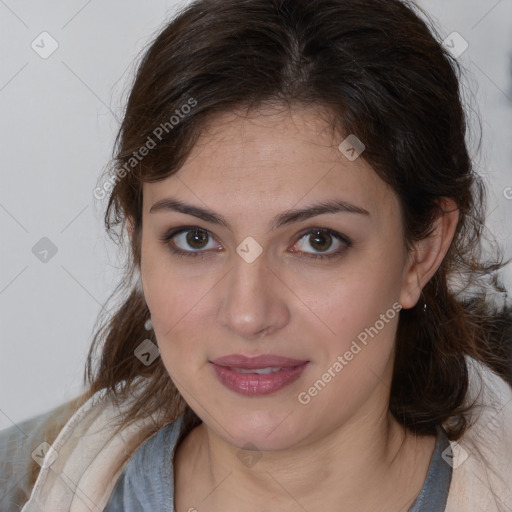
x=260 y=375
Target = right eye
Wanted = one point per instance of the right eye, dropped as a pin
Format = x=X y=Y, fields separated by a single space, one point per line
x=178 y=239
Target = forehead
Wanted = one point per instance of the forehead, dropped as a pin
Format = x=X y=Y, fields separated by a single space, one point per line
x=267 y=136
x=286 y=158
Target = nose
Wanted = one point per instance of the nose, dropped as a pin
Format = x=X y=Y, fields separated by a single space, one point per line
x=253 y=299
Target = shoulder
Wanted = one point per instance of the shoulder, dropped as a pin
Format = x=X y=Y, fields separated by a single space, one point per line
x=90 y=451
x=482 y=458
x=20 y=446
x=147 y=480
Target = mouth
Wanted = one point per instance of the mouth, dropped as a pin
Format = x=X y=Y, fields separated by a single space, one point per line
x=260 y=375
x=258 y=371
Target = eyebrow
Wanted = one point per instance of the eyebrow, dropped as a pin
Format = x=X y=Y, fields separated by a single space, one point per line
x=287 y=217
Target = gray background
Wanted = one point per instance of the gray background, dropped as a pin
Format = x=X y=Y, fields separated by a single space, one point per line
x=59 y=117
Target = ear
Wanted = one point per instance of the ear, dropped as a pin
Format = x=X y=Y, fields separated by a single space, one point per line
x=428 y=254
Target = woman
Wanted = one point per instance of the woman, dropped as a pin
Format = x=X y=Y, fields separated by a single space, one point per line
x=298 y=333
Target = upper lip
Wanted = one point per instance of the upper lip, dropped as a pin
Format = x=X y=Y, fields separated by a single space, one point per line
x=264 y=361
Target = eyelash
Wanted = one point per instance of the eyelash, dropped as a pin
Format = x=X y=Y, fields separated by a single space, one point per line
x=168 y=236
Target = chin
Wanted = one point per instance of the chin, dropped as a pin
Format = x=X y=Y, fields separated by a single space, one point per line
x=262 y=431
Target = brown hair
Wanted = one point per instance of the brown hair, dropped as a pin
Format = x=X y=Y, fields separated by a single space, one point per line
x=382 y=74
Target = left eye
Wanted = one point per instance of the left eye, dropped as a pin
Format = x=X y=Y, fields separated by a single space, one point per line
x=321 y=239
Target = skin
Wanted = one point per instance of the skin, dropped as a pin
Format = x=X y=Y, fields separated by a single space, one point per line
x=343 y=450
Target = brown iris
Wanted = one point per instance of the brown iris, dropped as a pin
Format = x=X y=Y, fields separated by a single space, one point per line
x=316 y=240
x=196 y=236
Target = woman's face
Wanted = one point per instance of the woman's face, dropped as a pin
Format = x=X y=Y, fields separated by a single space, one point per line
x=263 y=281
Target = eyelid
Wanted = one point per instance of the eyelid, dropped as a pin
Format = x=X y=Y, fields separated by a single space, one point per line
x=343 y=239
x=335 y=234
x=167 y=237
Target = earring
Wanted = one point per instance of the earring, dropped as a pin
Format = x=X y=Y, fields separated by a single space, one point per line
x=148 y=325
x=424 y=307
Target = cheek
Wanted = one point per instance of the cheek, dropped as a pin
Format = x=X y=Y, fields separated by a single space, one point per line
x=359 y=315
x=364 y=331
x=177 y=308
x=355 y=357
x=171 y=293
x=180 y=310
x=356 y=297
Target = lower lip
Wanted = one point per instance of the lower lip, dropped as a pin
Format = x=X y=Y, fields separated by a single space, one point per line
x=253 y=384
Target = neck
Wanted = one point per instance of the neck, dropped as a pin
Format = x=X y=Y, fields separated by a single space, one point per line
x=370 y=464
